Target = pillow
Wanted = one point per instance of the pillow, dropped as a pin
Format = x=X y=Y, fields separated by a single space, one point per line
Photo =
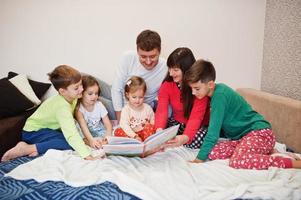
x=12 y=101
x=22 y=84
x=39 y=88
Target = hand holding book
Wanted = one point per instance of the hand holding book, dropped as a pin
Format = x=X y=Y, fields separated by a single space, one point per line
x=132 y=147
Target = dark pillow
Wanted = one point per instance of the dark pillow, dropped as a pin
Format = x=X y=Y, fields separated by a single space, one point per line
x=12 y=101
x=39 y=88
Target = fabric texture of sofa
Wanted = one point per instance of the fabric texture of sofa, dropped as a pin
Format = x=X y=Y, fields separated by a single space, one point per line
x=21 y=97
x=283 y=113
x=10 y=130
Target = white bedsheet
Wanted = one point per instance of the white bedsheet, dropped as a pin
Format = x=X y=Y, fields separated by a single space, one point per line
x=165 y=175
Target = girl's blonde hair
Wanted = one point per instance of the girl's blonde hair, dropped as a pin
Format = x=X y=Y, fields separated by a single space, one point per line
x=133 y=84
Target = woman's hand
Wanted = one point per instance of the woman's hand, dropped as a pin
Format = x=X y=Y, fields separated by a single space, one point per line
x=177 y=141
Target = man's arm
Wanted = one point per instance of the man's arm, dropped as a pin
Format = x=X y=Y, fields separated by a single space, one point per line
x=117 y=90
x=118 y=115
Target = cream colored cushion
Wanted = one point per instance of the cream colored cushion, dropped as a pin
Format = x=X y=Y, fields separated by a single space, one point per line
x=21 y=82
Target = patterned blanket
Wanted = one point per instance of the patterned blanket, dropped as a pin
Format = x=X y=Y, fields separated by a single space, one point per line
x=30 y=189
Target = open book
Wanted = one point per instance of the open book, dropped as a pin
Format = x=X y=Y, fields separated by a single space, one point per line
x=132 y=147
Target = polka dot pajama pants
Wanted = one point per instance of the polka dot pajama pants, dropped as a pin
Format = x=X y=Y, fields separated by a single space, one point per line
x=198 y=139
x=250 y=152
x=147 y=131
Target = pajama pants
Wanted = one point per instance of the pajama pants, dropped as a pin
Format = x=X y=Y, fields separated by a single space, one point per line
x=147 y=131
x=250 y=152
x=198 y=139
x=45 y=139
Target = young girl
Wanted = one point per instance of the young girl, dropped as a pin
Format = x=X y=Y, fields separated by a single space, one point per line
x=91 y=114
x=252 y=139
x=193 y=122
x=137 y=117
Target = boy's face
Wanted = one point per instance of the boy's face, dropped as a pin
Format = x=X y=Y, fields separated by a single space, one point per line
x=149 y=59
x=73 y=91
x=200 y=90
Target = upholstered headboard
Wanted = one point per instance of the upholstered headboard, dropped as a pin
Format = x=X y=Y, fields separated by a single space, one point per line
x=283 y=113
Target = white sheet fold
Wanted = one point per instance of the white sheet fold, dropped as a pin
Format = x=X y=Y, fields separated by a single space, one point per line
x=165 y=175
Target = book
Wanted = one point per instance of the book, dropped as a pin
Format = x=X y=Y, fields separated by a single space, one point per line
x=131 y=147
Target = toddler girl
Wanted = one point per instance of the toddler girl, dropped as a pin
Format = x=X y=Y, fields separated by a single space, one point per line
x=91 y=114
x=137 y=117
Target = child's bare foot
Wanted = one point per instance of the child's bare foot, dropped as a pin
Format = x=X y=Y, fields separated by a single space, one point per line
x=296 y=164
x=21 y=149
x=293 y=156
x=275 y=151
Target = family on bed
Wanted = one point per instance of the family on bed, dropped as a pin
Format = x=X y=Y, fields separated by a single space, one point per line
x=148 y=96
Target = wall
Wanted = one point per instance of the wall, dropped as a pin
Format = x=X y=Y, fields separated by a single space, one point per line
x=281 y=72
x=36 y=36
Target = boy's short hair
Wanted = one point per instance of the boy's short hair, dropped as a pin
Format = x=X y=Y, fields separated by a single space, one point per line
x=148 y=40
x=63 y=76
x=201 y=70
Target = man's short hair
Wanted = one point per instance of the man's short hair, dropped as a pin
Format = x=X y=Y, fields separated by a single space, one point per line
x=63 y=76
x=148 y=40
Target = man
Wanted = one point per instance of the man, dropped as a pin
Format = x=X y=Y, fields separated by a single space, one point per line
x=146 y=63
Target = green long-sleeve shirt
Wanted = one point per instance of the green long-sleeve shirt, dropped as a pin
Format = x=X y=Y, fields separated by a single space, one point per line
x=56 y=113
x=232 y=114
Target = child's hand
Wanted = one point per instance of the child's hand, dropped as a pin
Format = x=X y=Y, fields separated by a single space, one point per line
x=138 y=138
x=159 y=129
x=93 y=158
x=94 y=143
x=104 y=141
x=196 y=161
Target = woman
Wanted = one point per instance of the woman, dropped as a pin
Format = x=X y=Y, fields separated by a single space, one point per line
x=193 y=122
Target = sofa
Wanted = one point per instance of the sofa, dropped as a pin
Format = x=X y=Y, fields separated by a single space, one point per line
x=282 y=112
x=20 y=98
x=10 y=130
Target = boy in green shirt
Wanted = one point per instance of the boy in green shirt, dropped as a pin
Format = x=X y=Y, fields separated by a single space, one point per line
x=52 y=125
x=251 y=138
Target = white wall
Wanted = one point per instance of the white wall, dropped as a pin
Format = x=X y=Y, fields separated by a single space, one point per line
x=37 y=35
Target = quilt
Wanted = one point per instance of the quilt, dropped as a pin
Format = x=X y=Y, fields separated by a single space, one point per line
x=164 y=175
x=30 y=189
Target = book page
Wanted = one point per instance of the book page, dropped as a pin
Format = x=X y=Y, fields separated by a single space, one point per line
x=124 y=149
x=160 y=137
x=122 y=140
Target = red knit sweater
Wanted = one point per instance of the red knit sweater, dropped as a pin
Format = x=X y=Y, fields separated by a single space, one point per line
x=169 y=93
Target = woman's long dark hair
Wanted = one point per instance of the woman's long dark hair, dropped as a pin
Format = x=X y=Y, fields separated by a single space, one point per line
x=201 y=70
x=183 y=59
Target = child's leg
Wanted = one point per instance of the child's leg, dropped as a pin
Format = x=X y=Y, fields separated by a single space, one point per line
x=198 y=139
x=21 y=149
x=147 y=131
x=45 y=139
x=223 y=150
x=120 y=133
x=253 y=152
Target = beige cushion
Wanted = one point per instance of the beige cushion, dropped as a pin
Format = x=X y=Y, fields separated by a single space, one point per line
x=21 y=82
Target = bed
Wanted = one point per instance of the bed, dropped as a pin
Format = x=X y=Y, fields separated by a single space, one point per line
x=164 y=175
